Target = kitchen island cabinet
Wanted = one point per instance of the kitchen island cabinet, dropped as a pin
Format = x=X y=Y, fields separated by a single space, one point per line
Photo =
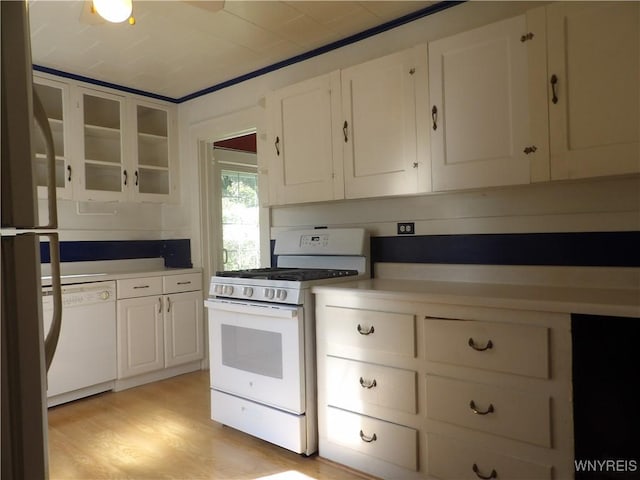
x=484 y=370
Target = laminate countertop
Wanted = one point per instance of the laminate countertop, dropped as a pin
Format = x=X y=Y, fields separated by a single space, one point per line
x=562 y=299
x=89 y=277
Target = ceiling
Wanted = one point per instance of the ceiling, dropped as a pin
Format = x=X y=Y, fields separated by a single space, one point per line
x=178 y=47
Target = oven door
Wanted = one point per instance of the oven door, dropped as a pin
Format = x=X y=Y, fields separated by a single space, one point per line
x=257 y=352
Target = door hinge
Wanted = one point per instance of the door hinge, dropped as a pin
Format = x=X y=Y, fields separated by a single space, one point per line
x=527 y=36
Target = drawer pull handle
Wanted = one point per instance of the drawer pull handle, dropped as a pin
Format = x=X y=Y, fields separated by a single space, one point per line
x=140 y=286
x=366 y=439
x=476 y=470
x=184 y=283
x=473 y=345
x=366 y=384
x=159 y=304
x=474 y=409
x=361 y=331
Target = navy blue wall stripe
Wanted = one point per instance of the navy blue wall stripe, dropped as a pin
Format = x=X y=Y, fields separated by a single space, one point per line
x=176 y=253
x=430 y=10
x=612 y=249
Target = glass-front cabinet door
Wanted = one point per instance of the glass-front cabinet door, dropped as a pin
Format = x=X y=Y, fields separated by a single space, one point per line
x=104 y=175
x=54 y=98
x=152 y=175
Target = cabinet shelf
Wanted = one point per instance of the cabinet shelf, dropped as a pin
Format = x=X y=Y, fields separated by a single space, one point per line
x=151 y=138
x=102 y=132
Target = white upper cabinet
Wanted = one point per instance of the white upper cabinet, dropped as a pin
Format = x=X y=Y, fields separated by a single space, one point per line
x=594 y=84
x=379 y=128
x=484 y=127
x=103 y=174
x=54 y=97
x=153 y=168
x=305 y=154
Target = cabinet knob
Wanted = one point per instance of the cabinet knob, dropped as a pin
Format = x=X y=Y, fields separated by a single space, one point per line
x=367 y=439
x=368 y=384
x=476 y=470
x=527 y=36
x=68 y=173
x=362 y=331
x=345 y=131
x=434 y=117
x=126 y=177
x=473 y=345
x=530 y=149
x=474 y=409
x=554 y=82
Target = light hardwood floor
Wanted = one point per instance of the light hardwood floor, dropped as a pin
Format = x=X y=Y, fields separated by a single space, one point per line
x=163 y=431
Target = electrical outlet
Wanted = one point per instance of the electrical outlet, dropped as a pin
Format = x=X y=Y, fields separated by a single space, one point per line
x=406 y=228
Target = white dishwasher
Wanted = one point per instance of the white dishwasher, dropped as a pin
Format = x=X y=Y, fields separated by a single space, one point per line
x=85 y=360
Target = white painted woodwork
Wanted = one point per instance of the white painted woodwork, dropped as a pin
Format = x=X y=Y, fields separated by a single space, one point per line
x=356 y=386
x=376 y=438
x=304 y=150
x=139 y=287
x=159 y=323
x=100 y=146
x=451 y=459
x=183 y=328
x=140 y=335
x=478 y=82
x=182 y=283
x=520 y=415
x=54 y=97
x=371 y=330
x=153 y=151
x=379 y=137
x=594 y=50
x=517 y=349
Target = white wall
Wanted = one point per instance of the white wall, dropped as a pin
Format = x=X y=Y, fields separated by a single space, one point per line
x=591 y=205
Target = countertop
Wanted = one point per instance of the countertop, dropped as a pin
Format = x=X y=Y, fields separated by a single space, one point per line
x=135 y=272
x=561 y=299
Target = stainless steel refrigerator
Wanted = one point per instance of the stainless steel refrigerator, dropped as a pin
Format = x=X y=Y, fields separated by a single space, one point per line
x=24 y=353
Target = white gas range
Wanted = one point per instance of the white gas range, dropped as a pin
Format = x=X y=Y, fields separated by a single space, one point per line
x=262 y=335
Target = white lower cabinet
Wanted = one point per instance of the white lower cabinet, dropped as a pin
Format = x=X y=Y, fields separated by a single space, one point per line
x=410 y=390
x=159 y=326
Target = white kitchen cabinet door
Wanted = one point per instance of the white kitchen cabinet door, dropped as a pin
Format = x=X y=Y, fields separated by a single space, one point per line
x=183 y=328
x=481 y=128
x=100 y=147
x=54 y=97
x=305 y=157
x=153 y=151
x=594 y=88
x=379 y=128
x=140 y=335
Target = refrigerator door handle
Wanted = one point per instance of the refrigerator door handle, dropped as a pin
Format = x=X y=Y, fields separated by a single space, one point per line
x=41 y=119
x=51 y=342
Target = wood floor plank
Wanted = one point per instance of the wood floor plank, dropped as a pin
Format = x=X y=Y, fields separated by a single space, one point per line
x=163 y=431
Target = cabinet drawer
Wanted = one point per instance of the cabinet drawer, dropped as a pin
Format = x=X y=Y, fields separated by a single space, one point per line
x=382 y=440
x=139 y=287
x=181 y=283
x=519 y=349
x=509 y=413
x=359 y=386
x=451 y=459
x=372 y=330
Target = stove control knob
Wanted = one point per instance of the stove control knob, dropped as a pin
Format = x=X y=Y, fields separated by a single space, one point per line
x=281 y=294
x=247 y=291
x=218 y=289
x=268 y=293
x=228 y=290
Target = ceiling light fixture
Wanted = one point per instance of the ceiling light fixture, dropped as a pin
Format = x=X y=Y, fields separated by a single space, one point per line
x=115 y=11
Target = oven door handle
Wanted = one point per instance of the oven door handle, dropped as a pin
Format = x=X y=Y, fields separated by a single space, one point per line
x=266 y=310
